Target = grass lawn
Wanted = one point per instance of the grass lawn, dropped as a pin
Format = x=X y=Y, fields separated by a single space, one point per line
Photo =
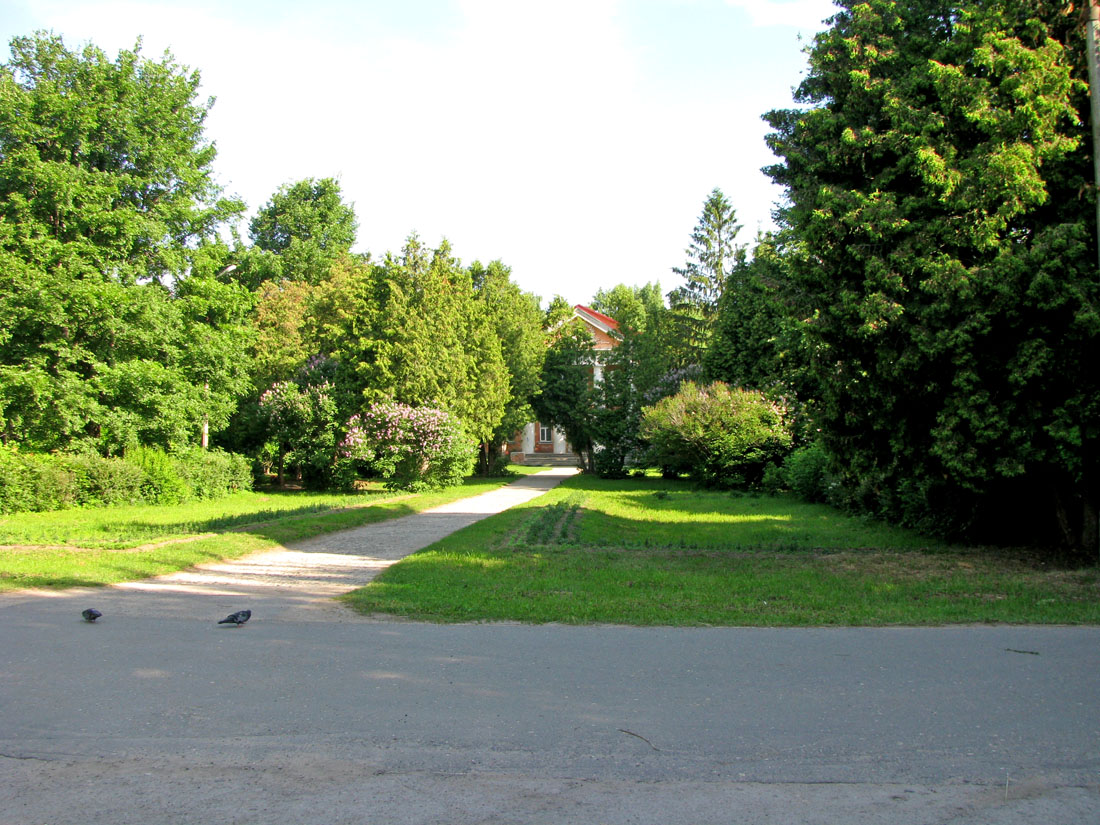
x=654 y=552
x=69 y=548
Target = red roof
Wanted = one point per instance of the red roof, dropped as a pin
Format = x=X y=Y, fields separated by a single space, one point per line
x=611 y=322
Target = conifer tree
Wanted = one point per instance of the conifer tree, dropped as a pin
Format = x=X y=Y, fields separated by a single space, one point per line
x=939 y=191
x=710 y=258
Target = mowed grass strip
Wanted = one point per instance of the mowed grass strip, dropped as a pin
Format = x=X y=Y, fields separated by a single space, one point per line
x=71 y=548
x=653 y=552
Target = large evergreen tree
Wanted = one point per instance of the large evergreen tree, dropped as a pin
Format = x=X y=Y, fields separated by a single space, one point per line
x=516 y=321
x=755 y=342
x=939 y=189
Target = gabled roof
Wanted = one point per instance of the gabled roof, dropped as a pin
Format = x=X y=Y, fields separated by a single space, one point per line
x=597 y=319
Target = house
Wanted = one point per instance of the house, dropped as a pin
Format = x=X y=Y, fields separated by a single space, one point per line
x=539 y=443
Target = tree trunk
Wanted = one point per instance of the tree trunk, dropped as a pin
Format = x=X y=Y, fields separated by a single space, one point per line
x=483 y=466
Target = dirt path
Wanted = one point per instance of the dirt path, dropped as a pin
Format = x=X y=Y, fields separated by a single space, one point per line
x=298 y=583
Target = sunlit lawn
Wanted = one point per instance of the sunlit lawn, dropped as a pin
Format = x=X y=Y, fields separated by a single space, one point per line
x=659 y=552
x=105 y=545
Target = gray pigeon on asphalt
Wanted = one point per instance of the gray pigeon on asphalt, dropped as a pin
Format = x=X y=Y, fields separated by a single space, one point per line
x=238 y=618
x=91 y=614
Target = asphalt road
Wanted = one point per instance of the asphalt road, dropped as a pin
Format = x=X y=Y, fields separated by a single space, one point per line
x=175 y=720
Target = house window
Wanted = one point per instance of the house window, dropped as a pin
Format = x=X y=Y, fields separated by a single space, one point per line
x=544 y=434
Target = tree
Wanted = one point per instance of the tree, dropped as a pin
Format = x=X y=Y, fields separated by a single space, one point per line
x=409 y=329
x=300 y=233
x=104 y=166
x=756 y=342
x=939 y=193
x=516 y=322
x=215 y=337
x=648 y=329
x=106 y=193
x=567 y=399
x=558 y=312
x=281 y=344
x=711 y=256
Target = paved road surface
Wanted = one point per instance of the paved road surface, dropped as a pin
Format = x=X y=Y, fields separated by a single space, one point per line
x=151 y=717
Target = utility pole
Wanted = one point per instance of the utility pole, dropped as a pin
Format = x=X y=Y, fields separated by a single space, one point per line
x=1092 y=32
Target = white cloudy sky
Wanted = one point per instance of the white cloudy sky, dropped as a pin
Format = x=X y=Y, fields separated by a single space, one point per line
x=574 y=140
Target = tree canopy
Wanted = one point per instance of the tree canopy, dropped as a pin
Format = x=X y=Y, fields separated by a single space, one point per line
x=107 y=199
x=939 y=194
x=300 y=233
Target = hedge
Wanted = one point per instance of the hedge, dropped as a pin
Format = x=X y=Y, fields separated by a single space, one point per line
x=57 y=481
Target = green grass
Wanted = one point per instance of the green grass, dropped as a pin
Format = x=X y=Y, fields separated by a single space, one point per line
x=650 y=552
x=70 y=548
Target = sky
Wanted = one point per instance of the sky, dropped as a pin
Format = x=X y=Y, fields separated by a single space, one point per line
x=575 y=141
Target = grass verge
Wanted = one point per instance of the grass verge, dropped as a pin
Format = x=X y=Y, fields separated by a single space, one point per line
x=71 y=548
x=653 y=552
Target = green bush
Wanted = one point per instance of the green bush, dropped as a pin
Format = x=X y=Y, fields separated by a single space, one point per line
x=14 y=495
x=212 y=473
x=718 y=435
x=774 y=479
x=304 y=425
x=48 y=481
x=103 y=481
x=163 y=483
x=29 y=481
x=807 y=472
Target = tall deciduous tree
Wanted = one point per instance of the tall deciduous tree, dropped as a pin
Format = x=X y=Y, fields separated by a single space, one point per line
x=300 y=233
x=939 y=190
x=106 y=192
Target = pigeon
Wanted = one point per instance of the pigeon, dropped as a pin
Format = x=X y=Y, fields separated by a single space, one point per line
x=91 y=614
x=238 y=618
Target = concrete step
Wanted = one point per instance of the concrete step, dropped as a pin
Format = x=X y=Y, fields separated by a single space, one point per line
x=547 y=459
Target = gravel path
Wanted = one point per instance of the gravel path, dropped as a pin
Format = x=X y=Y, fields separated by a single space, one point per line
x=298 y=583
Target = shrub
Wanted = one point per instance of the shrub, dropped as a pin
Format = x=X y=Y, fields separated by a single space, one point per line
x=37 y=482
x=213 y=473
x=14 y=495
x=774 y=479
x=413 y=448
x=162 y=483
x=500 y=466
x=807 y=472
x=304 y=424
x=103 y=481
x=718 y=435
x=34 y=482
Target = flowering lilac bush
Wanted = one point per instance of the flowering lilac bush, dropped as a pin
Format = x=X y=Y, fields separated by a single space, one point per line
x=413 y=448
x=304 y=425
